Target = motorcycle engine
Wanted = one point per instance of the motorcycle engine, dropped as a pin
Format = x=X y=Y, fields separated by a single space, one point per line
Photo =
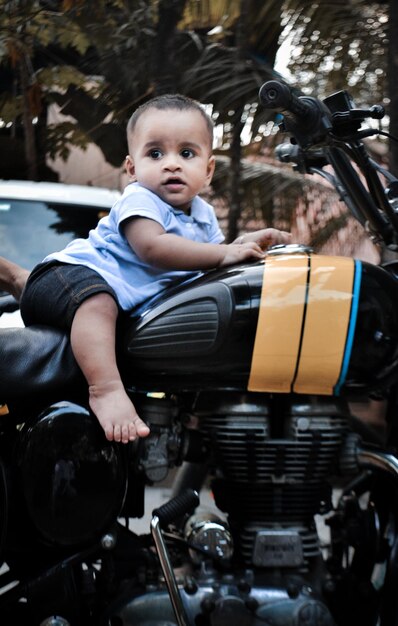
x=270 y=464
x=273 y=458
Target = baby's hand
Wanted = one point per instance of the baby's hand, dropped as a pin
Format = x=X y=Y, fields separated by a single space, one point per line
x=267 y=237
x=239 y=252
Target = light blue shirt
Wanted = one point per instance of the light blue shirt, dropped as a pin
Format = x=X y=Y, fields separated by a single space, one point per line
x=107 y=251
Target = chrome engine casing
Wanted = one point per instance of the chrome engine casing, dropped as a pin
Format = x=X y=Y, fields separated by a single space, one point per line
x=269 y=466
x=272 y=462
x=229 y=601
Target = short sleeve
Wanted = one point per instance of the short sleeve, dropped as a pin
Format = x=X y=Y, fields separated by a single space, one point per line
x=140 y=203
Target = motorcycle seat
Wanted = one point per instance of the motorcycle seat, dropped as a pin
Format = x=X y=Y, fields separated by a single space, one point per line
x=35 y=360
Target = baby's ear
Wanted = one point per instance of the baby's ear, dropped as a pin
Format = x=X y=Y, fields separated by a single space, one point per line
x=210 y=168
x=130 y=168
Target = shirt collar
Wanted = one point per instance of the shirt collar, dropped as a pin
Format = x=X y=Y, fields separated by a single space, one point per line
x=199 y=212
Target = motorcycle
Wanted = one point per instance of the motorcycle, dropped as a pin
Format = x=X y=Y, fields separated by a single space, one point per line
x=247 y=376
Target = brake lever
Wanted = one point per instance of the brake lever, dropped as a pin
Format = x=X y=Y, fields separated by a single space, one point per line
x=302 y=160
x=375 y=112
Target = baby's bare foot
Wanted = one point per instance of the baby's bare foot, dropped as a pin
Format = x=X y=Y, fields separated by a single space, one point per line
x=116 y=413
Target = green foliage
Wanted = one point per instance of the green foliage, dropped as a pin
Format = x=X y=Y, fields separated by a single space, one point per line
x=25 y=27
x=10 y=107
x=30 y=31
x=60 y=77
x=98 y=61
x=61 y=136
x=338 y=45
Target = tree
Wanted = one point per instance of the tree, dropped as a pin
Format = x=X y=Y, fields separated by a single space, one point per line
x=347 y=45
x=98 y=61
x=29 y=30
x=392 y=82
x=133 y=50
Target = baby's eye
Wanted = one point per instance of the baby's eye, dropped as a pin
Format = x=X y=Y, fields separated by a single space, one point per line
x=187 y=153
x=155 y=154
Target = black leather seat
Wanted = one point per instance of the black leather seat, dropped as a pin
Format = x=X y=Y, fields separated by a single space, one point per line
x=36 y=360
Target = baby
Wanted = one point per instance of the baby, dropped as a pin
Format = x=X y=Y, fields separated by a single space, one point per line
x=159 y=231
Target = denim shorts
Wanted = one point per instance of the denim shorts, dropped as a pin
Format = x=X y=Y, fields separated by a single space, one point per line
x=54 y=291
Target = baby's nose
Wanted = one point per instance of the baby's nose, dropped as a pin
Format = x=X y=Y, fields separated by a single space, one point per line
x=171 y=162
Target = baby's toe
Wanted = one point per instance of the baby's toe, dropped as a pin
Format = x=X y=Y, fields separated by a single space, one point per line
x=117 y=432
x=141 y=428
x=108 y=428
x=132 y=432
x=125 y=433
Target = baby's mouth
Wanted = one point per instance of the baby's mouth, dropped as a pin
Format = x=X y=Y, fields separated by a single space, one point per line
x=174 y=183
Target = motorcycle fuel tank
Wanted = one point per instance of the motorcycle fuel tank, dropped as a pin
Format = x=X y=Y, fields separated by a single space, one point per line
x=296 y=323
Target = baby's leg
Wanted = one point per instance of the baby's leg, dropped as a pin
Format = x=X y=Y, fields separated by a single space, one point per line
x=93 y=343
x=12 y=277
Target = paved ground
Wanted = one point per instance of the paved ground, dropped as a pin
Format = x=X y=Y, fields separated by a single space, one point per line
x=156 y=496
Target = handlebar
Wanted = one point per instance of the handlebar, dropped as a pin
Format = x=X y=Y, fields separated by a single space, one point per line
x=329 y=132
x=310 y=119
x=305 y=117
x=279 y=97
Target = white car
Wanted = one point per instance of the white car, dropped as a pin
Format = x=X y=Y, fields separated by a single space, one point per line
x=37 y=218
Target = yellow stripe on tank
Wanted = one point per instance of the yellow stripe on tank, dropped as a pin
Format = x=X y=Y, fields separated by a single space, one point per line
x=279 y=325
x=326 y=324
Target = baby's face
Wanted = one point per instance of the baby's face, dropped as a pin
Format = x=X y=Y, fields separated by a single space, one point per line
x=170 y=154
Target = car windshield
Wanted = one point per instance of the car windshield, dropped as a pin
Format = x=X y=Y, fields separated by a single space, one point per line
x=29 y=230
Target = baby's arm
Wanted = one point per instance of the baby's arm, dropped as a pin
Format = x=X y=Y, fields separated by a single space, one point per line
x=266 y=237
x=156 y=247
x=12 y=277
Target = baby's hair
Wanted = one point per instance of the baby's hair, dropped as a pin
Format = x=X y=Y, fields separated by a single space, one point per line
x=173 y=102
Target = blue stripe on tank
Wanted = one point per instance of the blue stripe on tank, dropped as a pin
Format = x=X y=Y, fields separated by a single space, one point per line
x=351 y=327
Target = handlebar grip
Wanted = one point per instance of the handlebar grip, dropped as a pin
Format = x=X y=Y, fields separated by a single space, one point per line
x=186 y=502
x=279 y=97
x=306 y=118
